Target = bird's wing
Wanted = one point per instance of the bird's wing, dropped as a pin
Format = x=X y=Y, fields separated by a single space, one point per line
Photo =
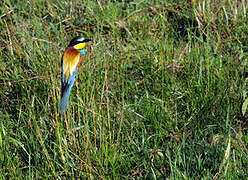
x=71 y=59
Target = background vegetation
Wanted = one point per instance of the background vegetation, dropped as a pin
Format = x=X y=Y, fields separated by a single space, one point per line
x=162 y=92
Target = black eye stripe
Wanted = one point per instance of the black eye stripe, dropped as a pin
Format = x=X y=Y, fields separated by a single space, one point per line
x=75 y=42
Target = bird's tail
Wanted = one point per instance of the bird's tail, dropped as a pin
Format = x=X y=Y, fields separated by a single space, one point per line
x=65 y=93
x=64 y=101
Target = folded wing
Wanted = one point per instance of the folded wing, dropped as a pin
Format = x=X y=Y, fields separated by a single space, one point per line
x=71 y=61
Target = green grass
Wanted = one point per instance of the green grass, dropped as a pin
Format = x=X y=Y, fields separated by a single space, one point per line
x=160 y=95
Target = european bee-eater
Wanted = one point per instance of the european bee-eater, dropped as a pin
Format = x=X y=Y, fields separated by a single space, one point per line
x=71 y=61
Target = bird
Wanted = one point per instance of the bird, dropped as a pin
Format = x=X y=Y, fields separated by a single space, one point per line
x=71 y=61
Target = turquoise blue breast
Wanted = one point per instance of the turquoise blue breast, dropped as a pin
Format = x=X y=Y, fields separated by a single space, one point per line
x=82 y=51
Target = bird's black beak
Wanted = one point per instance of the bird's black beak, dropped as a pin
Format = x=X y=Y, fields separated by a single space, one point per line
x=87 y=40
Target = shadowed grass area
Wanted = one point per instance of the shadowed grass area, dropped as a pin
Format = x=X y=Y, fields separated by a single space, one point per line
x=162 y=92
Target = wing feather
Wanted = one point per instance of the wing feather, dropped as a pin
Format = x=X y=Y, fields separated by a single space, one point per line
x=71 y=59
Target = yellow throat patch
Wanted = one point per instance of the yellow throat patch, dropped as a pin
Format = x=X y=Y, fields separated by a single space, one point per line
x=80 y=46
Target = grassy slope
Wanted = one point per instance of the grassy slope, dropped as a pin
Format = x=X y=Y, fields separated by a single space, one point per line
x=172 y=113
